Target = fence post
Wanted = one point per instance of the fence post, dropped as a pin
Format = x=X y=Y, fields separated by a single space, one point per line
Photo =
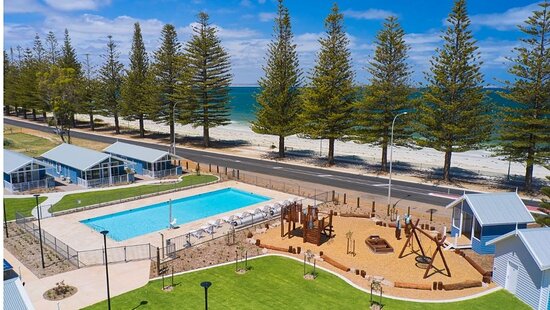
x=158 y=260
x=68 y=251
x=217 y=169
x=333 y=195
x=149 y=251
x=209 y=167
x=238 y=174
x=357 y=202
x=225 y=170
x=125 y=260
x=186 y=165
x=345 y=195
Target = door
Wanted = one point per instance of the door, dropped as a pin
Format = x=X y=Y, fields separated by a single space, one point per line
x=511 y=277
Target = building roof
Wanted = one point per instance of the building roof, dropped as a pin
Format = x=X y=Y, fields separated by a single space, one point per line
x=536 y=242
x=135 y=151
x=7 y=265
x=14 y=161
x=75 y=156
x=15 y=296
x=496 y=208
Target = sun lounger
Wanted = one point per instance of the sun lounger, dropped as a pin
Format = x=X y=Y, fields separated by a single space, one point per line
x=209 y=229
x=217 y=223
x=197 y=233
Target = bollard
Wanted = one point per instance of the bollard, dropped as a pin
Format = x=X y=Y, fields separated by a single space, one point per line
x=209 y=167
x=217 y=169
x=225 y=170
x=373 y=206
x=333 y=196
x=238 y=174
x=345 y=198
x=357 y=202
x=409 y=211
x=186 y=165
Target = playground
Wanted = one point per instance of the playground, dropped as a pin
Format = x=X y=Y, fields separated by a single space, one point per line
x=369 y=251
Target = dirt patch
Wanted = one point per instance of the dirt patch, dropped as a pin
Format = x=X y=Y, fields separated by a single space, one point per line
x=213 y=252
x=485 y=261
x=60 y=291
x=26 y=248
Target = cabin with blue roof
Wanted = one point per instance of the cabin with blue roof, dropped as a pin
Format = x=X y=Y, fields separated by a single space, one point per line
x=146 y=161
x=522 y=265
x=85 y=167
x=479 y=218
x=23 y=173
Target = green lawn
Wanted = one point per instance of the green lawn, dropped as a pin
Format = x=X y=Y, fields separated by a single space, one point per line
x=71 y=201
x=23 y=205
x=27 y=144
x=276 y=283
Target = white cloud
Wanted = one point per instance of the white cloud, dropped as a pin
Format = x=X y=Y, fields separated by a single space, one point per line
x=507 y=20
x=22 y=6
x=224 y=33
x=370 y=14
x=266 y=16
x=73 y=5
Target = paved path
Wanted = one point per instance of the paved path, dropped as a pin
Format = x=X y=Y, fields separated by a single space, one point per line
x=424 y=193
x=89 y=281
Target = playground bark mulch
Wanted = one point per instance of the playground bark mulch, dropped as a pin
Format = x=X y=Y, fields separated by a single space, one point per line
x=385 y=267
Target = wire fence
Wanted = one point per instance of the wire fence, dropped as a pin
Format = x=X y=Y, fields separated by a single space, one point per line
x=86 y=257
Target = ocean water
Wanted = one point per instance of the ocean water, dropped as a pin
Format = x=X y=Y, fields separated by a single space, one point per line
x=243 y=103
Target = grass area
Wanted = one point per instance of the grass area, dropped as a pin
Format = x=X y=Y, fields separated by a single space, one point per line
x=89 y=198
x=23 y=205
x=277 y=283
x=25 y=143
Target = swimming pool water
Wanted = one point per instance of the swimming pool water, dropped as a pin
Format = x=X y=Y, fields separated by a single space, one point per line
x=136 y=222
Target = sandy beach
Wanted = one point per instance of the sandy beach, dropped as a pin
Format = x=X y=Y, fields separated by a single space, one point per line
x=257 y=145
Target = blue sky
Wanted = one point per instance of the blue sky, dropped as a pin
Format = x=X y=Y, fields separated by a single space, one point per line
x=245 y=27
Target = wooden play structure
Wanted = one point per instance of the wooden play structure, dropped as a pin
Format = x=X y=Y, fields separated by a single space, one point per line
x=313 y=228
x=424 y=258
x=378 y=245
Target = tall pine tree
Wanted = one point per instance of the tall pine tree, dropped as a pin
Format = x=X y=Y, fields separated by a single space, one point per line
x=210 y=67
x=89 y=102
x=388 y=93
x=69 y=60
x=329 y=97
x=10 y=80
x=278 y=100
x=137 y=85
x=52 y=49
x=453 y=116
x=525 y=132
x=110 y=76
x=166 y=68
x=41 y=62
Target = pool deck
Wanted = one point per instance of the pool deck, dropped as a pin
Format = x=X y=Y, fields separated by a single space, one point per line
x=68 y=228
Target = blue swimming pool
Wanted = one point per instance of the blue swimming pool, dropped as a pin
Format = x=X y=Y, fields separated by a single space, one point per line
x=136 y=222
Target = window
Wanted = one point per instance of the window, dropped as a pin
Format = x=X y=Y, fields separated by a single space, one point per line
x=477 y=230
x=456 y=216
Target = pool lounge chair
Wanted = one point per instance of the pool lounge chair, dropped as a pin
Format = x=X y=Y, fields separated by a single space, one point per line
x=209 y=229
x=217 y=223
x=197 y=233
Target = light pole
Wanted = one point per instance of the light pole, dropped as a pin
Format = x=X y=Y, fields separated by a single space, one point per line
x=174 y=137
x=206 y=285
x=391 y=156
x=104 y=233
x=39 y=212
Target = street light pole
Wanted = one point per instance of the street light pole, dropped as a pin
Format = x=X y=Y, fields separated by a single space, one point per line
x=174 y=136
x=391 y=156
x=104 y=233
x=206 y=285
x=39 y=212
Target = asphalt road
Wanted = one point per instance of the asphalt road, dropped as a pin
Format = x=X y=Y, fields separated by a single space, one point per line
x=423 y=193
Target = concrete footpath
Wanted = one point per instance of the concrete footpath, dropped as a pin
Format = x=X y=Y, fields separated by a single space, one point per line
x=89 y=281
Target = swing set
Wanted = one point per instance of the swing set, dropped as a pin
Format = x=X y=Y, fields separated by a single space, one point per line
x=424 y=259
